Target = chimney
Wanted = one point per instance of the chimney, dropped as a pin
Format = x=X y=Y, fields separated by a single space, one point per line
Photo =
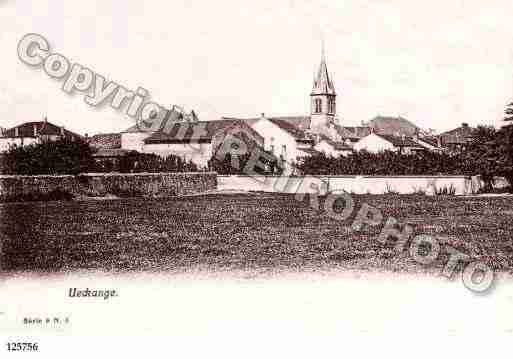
x=262 y=115
x=464 y=124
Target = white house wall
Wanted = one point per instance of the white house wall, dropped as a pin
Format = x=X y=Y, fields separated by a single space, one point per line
x=134 y=140
x=274 y=135
x=373 y=143
x=329 y=150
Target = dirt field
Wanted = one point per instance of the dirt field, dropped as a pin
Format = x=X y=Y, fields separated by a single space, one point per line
x=243 y=232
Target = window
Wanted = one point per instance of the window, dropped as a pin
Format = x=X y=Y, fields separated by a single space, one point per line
x=284 y=151
x=331 y=105
x=318 y=105
x=272 y=149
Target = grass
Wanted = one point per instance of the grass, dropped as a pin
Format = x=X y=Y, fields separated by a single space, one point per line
x=265 y=231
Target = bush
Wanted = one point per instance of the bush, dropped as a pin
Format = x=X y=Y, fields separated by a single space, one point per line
x=64 y=156
x=136 y=162
x=385 y=163
x=236 y=164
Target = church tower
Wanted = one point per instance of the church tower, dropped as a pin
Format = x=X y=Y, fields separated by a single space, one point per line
x=323 y=101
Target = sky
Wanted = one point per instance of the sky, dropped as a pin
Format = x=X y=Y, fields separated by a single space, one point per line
x=436 y=63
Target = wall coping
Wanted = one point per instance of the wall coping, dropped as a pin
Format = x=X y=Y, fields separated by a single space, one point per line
x=111 y=175
x=350 y=176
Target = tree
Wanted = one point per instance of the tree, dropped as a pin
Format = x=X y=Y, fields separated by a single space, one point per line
x=506 y=145
x=490 y=153
x=480 y=155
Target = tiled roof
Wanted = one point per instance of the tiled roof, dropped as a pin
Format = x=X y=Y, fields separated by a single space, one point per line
x=459 y=135
x=429 y=140
x=249 y=121
x=399 y=141
x=202 y=131
x=42 y=128
x=294 y=125
x=301 y=122
x=291 y=129
x=106 y=140
x=396 y=126
x=353 y=132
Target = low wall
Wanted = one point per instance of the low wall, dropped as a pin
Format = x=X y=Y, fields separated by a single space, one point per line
x=352 y=184
x=133 y=184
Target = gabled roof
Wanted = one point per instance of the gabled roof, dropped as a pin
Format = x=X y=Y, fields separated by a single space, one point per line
x=42 y=128
x=201 y=131
x=301 y=122
x=460 y=135
x=399 y=141
x=353 y=132
x=430 y=140
x=106 y=140
x=395 y=126
x=290 y=128
x=293 y=125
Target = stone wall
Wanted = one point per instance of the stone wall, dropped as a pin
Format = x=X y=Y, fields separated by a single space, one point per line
x=14 y=188
x=460 y=185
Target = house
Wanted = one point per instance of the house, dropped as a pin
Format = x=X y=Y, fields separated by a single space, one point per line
x=199 y=141
x=457 y=139
x=33 y=132
x=352 y=134
x=332 y=148
x=395 y=126
x=431 y=143
x=376 y=142
x=107 y=150
x=105 y=141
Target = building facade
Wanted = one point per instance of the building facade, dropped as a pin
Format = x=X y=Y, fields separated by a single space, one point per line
x=33 y=132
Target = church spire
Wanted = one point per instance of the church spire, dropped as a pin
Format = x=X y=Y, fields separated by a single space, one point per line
x=322 y=83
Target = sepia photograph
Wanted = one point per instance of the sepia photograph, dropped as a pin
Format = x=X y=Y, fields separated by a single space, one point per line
x=271 y=179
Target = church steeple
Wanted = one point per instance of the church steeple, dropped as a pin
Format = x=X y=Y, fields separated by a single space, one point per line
x=322 y=83
x=323 y=99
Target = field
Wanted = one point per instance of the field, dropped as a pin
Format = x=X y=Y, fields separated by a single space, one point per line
x=242 y=232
